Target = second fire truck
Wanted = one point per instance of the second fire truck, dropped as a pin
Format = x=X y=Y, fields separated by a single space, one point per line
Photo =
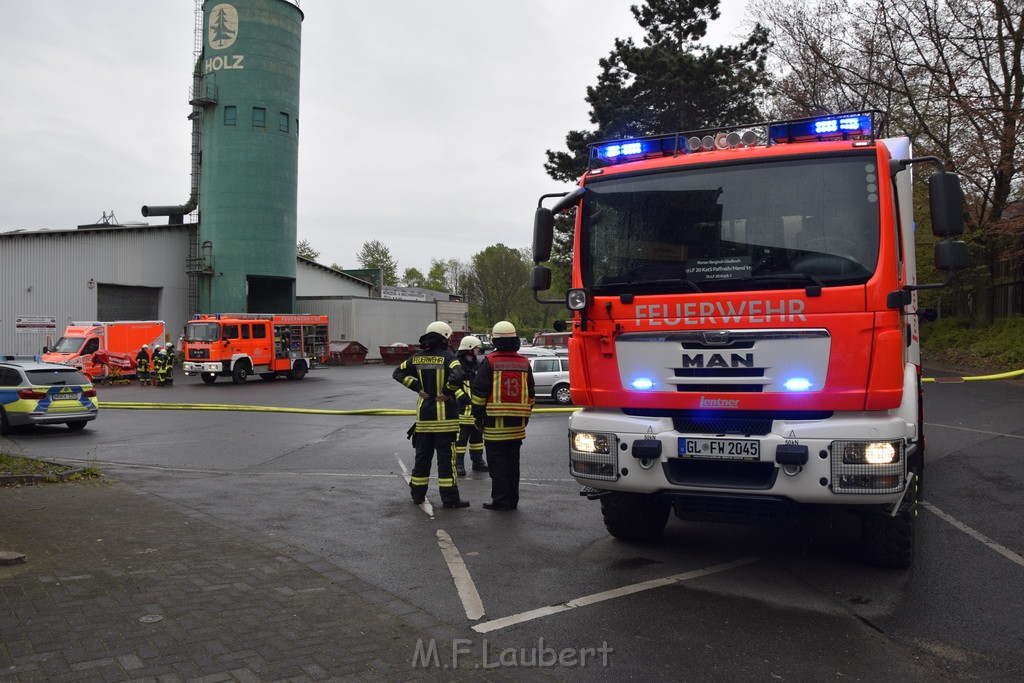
x=237 y=345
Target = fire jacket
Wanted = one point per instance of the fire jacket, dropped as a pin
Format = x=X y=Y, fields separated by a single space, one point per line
x=434 y=370
x=503 y=396
x=468 y=364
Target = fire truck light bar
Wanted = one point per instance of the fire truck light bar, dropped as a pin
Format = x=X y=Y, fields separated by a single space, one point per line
x=852 y=126
x=826 y=128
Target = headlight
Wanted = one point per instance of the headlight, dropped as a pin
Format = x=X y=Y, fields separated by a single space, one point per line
x=869 y=452
x=589 y=442
x=576 y=299
x=594 y=455
x=868 y=466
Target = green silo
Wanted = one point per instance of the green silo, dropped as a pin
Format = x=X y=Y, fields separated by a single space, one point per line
x=250 y=147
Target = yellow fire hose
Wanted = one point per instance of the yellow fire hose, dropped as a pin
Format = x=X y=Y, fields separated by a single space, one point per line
x=276 y=409
x=392 y=412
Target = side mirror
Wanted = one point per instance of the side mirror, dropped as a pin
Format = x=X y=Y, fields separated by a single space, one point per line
x=559 y=326
x=946 y=199
x=540 y=278
x=543 y=235
x=46 y=349
x=951 y=255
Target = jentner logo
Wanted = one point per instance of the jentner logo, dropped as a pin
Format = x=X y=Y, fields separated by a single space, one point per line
x=718 y=403
x=223 y=29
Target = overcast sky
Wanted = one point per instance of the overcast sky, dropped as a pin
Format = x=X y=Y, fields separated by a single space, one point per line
x=95 y=100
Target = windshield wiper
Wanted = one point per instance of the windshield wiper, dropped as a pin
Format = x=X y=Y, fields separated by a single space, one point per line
x=813 y=289
x=645 y=283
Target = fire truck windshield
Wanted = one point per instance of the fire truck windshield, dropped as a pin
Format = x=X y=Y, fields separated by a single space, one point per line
x=202 y=332
x=767 y=225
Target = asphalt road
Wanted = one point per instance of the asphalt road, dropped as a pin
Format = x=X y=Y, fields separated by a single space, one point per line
x=708 y=602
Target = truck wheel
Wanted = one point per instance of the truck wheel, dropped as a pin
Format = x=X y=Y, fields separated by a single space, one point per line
x=297 y=372
x=562 y=395
x=268 y=375
x=634 y=517
x=5 y=426
x=76 y=425
x=209 y=377
x=240 y=373
x=888 y=541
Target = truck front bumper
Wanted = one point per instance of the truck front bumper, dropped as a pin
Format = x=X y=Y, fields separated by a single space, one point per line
x=192 y=368
x=849 y=459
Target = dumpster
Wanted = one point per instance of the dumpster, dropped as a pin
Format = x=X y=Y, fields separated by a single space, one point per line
x=394 y=354
x=348 y=353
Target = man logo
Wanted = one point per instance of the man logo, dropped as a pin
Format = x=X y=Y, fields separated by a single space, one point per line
x=223 y=27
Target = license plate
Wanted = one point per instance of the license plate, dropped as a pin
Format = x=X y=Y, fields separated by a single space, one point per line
x=65 y=397
x=720 y=449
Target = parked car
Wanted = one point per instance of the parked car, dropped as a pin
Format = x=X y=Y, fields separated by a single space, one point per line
x=33 y=392
x=551 y=377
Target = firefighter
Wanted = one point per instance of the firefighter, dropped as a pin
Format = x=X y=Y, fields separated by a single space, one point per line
x=142 y=365
x=470 y=437
x=434 y=374
x=172 y=356
x=159 y=365
x=503 y=398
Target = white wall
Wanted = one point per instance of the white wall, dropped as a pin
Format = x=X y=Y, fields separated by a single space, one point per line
x=47 y=273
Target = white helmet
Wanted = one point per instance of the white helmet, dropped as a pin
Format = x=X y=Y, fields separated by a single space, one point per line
x=145 y=346
x=440 y=327
x=470 y=342
x=157 y=346
x=504 y=329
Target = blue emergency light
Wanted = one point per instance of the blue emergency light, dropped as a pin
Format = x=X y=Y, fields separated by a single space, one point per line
x=840 y=127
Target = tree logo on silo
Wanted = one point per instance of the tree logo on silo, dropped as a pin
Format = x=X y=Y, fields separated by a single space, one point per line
x=223 y=27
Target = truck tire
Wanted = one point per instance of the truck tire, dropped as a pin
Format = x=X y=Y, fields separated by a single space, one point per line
x=888 y=541
x=208 y=377
x=76 y=425
x=298 y=371
x=240 y=372
x=562 y=395
x=634 y=517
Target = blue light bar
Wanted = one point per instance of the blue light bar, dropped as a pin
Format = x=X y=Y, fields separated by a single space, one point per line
x=642 y=383
x=620 y=149
x=839 y=127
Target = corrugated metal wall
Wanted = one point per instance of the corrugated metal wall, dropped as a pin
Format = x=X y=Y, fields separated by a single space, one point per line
x=376 y=322
x=317 y=281
x=57 y=274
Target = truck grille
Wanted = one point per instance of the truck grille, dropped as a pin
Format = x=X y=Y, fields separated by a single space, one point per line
x=720 y=473
x=198 y=354
x=746 y=422
x=735 y=509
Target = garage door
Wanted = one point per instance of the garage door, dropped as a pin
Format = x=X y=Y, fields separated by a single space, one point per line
x=118 y=302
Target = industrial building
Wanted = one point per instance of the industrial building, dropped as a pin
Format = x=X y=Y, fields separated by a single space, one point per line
x=231 y=246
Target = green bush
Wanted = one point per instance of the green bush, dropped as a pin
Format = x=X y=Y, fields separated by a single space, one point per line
x=999 y=346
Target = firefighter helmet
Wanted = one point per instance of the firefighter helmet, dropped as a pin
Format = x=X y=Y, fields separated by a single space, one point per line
x=504 y=329
x=145 y=346
x=469 y=342
x=440 y=327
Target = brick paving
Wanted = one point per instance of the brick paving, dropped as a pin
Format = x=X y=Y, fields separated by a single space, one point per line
x=122 y=585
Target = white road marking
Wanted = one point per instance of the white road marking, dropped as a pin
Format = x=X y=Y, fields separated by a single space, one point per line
x=425 y=505
x=505 y=622
x=471 y=601
x=976 y=535
x=976 y=431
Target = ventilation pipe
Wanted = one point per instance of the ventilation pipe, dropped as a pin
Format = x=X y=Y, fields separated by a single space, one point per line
x=177 y=213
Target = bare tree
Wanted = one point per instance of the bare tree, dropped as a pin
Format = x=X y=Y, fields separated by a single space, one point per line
x=948 y=72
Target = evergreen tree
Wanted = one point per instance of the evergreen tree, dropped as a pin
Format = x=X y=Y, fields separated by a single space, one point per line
x=670 y=83
x=306 y=250
x=374 y=254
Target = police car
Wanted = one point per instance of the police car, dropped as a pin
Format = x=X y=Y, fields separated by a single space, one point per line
x=33 y=392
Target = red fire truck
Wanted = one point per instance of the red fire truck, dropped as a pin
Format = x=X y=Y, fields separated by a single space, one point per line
x=237 y=345
x=744 y=325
